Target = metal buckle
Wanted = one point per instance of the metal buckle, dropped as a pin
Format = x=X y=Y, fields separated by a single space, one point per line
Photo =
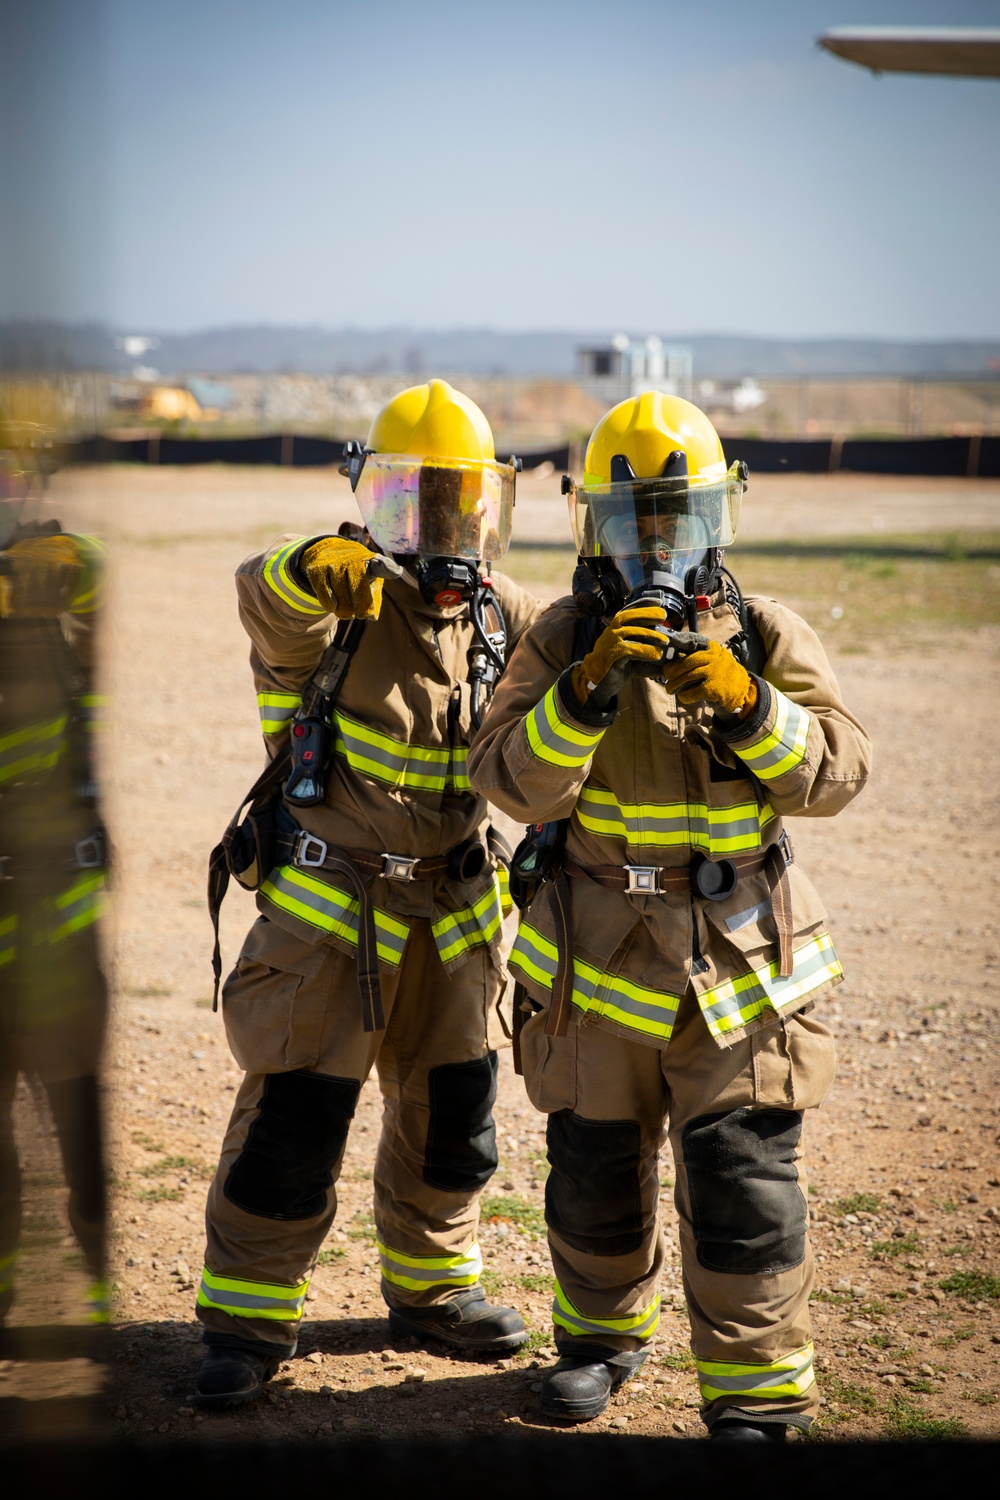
x=90 y=852
x=398 y=867
x=643 y=880
x=304 y=852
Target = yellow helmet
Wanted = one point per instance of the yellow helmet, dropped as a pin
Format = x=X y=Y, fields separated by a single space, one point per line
x=657 y=505
x=646 y=430
x=427 y=481
x=432 y=421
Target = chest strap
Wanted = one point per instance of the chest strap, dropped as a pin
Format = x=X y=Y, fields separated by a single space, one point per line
x=709 y=880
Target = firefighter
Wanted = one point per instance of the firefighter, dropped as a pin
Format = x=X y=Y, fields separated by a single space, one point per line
x=53 y=995
x=671 y=963
x=398 y=847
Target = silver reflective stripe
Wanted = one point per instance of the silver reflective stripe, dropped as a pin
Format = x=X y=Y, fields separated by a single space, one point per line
x=760 y=1380
x=741 y=919
x=814 y=957
x=313 y=901
x=609 y=993
x=222 y=1297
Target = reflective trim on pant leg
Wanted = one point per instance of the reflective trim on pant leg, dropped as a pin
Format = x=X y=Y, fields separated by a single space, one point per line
x=790 y=1376
x=418 y=1273
x=252 y=1299
x=8 y=940
x=98 y=1302
x=8 y=1265
x=640 y=1325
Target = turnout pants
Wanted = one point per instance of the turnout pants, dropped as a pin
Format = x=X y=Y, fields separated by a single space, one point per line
x=293 y=1018
x=734 y=1121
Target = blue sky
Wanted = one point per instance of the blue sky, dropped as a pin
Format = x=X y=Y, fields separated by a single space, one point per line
x=558 y=164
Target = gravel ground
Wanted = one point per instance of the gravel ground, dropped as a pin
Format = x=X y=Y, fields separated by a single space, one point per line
x=903 y=1162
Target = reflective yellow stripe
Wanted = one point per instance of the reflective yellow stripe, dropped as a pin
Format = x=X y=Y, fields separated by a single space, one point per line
x=385 y=758
x=782 y=748
x=36 y=747
x=787 y=1377
x=8 y=947
x=8 y=1264
x=672 y=825
x=276 y=709
x=252 y=1299
x=331 y=910
x=98 y=1302
x=417 y=1273
x=553 y=739
x=503 y=881
x=460 y=931
x=78 y=907
x=94 y=705
x=88 y=592
x=641 y=1325
x=738 y=1002
x=649 y=1011
x=279 y=579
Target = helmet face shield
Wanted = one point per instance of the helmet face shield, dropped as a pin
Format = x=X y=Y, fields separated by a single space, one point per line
x=432 y=508
x=648 y=525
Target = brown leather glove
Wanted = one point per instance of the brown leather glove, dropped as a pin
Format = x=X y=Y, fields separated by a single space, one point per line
x=41 y=577
x=712 y=676
x=341 y=575
x=628 y=642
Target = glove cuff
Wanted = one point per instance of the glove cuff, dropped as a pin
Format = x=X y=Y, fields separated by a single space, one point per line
x=294 y=561
x=584 y=713
x=732 y=728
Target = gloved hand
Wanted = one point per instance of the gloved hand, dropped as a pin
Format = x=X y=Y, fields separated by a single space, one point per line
x=714 y=676
x=346 y=577
x=627 y=644
x=40 y=577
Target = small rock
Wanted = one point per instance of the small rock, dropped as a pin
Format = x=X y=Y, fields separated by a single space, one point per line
x=407 y=1389
x=341 y=1395
x=315 y=1358
x=326 y=1390
x=619 y=1422
x=925 y=1369
x=415 y=1377
x=888 y=1379
x=121 y=1414
x=185 y=1411
x=325 y=1427
x=163 y=1427
x=679 y=1427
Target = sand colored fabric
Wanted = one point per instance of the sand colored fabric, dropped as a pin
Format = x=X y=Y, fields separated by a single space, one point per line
x=291 y=1009
x=659 y=785
x=759 y=1320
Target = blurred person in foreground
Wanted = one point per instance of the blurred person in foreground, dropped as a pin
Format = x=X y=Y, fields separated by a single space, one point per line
x=379 y=893
x=659 y=728
x=53 y=997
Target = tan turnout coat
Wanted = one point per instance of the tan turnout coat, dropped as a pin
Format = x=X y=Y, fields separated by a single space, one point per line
x=656 y=785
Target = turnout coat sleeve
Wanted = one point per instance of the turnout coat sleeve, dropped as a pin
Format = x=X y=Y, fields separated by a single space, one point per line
x=810 y=754
x=534 y=751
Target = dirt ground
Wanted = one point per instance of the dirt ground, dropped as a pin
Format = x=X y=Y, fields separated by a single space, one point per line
x=904 y=1170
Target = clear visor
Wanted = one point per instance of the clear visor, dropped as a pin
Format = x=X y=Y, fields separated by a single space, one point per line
x=666 y=521
x=420 y=507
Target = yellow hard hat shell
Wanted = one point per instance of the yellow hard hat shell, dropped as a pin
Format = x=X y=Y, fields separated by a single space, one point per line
x=647 y=429
x=432 y=421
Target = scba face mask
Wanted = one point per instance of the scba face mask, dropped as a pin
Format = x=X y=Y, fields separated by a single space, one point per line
x=662 y=536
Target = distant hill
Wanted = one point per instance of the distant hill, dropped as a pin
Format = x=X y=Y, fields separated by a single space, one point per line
x=482 y=351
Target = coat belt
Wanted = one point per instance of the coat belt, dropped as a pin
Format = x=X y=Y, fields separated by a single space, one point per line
x=699 y=877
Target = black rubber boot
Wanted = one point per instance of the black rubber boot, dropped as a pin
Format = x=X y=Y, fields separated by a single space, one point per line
x=579 y=1387
x=232 y=1377
x=732 y=1431
x=465 y=1321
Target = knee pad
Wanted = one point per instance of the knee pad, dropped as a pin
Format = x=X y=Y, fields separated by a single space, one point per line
x=593 y=1197
x=286 y=1166
x=747 y=1209
x=461 y=1152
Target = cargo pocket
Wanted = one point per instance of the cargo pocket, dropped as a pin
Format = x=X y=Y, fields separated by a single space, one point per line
x=745 y=920
x=794 y=1062
x=274 y=1002
x=549 y=1064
